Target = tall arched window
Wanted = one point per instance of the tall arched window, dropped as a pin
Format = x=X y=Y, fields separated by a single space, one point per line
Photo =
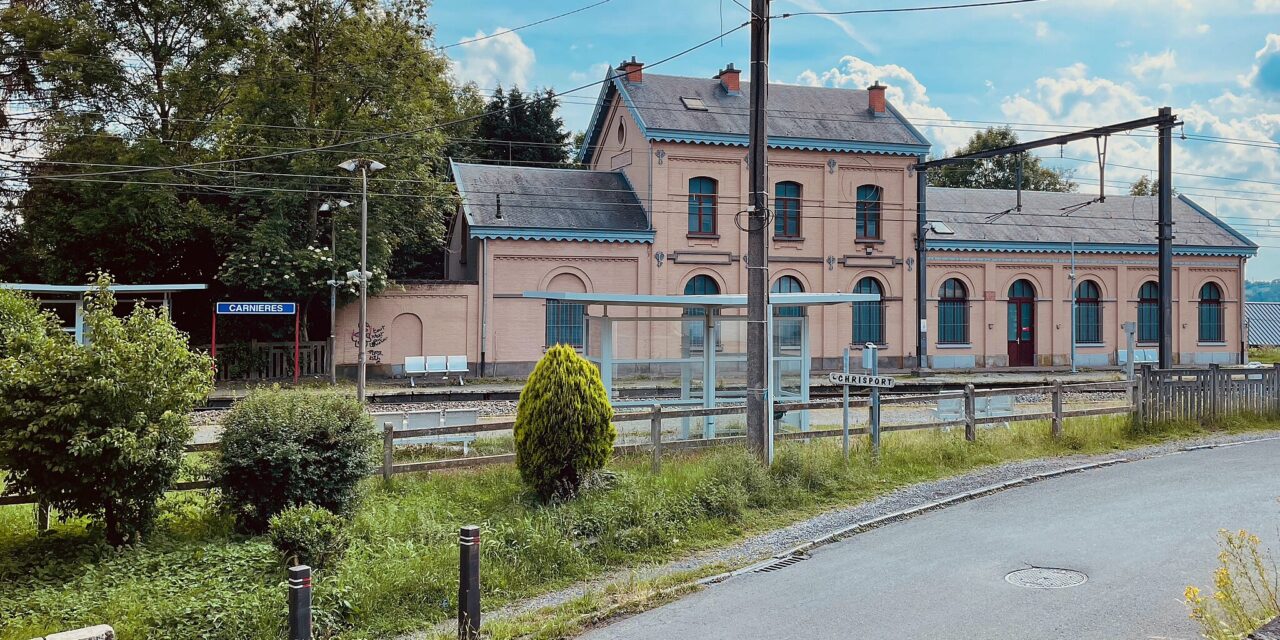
x=702 y=206
x=699 y=285
x=1088 y=313
x=789 y=331
x=953 y=313
x=868 y=316
x=868 y=219
x=566 y=321
x=1211 y=326
x=1149 y=312
x=786 y=209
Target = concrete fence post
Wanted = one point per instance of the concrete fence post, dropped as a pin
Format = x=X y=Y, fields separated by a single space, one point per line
x=388 y=449
x=655 y=435
x=300 y=602
x=1057 y=409
x=970 y=417
x=469 y=583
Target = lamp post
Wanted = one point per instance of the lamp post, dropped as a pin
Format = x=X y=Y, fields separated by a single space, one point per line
x=327 y=206
x=366 y=166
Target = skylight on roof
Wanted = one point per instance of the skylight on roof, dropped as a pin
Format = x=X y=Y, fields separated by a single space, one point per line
x=694 y=104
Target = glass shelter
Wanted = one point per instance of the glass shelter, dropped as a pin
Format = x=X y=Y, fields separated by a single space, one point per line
x=701 y=340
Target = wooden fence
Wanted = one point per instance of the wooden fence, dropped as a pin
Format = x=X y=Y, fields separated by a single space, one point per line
x=1203 y=395
x=1160 y=395
x=271 y=360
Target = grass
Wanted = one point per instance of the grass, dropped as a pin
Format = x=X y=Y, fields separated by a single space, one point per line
x=1265 y=355
x=195 y=578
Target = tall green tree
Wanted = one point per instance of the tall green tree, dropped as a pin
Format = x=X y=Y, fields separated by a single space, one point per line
x=522 y=130
x=1000 y=172
x=1145 y=186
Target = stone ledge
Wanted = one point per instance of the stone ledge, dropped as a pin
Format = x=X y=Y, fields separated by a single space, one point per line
x=99 y=632
x=1269 y=631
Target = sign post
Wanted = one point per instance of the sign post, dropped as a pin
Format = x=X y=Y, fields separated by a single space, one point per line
x=258 y=309
x=874 y=380
x=844 y=396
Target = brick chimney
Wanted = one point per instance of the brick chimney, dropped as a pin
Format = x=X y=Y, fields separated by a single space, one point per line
x=633 y=69
x=730 y=80
x=875 y=98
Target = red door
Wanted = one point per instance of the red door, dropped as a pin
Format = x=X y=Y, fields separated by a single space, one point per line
x=1022 y=324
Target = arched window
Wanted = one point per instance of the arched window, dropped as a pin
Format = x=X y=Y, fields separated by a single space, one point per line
x=953 y=313
x=699 y=285
x=788 y=331
x=702 y=206
x=868 y=223
x=1211 y=313
x=1149 y=312
x=1088 y=317
x=868 y=316
x=786 y=209
x=566 y=321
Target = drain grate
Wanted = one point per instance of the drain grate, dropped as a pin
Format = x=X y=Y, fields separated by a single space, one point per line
x=1046 y=578
x=780 y=563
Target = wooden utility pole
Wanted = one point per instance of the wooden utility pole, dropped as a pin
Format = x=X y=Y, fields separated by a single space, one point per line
x=758 y=410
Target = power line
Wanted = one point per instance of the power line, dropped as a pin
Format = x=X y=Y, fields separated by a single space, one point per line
x=525 y=26
x=904 y=9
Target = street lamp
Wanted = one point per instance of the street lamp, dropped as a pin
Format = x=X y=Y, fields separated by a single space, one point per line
x=366 y=166
x=328 y=205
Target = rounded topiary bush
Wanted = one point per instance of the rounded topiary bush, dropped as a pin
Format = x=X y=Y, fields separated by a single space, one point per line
x=564 y=424
x=283 y=449
x=308 y=535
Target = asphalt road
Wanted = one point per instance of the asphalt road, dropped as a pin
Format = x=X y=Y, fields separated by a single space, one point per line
x=1141 y=531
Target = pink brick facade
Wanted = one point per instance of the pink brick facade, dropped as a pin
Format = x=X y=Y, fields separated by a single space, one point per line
x=482 y=314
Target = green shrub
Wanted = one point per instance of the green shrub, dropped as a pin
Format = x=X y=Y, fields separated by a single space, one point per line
x=721 y=501
x=283 y=449
x=563 y=428
x=308 y=535
x=97 y=430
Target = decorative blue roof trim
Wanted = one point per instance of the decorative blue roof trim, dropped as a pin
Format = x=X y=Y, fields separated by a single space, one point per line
x=462 y=194
x=594 y=125
x=1225 y=227
x=776 y=142
x=584 y=235
x=907 y=123
x=1081 y=247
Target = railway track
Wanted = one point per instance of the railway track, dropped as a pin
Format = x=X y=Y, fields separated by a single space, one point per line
x=816 y=392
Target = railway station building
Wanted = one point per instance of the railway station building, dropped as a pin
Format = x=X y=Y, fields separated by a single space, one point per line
x=659 y=211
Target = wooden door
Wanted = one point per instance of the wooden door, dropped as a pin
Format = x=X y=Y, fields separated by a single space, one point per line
x=1022 y=324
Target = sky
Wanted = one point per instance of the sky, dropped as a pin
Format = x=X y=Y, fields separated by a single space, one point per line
x=1040 y=66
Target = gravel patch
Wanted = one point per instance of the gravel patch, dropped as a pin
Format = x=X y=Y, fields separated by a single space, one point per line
x=765 y=545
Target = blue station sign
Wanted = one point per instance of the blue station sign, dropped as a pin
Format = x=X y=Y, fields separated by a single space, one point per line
x=257 y=308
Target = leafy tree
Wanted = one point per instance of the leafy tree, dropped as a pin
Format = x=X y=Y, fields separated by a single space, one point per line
x=564 y=424
x=520 y=131
x=1145 y=186
x=98 y=430
x=1000 y=172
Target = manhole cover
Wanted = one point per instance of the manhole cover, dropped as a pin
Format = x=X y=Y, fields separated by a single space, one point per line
x=1045 y=578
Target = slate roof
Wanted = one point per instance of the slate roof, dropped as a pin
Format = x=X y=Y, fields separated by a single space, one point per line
x=1052 y=220
x=574 y=203
x=1264 y=323
x=800 y=117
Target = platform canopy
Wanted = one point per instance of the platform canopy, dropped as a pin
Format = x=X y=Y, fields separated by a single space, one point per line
x=717 y=301
x=67 y=299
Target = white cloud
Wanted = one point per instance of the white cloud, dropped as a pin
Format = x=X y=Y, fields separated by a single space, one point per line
x=1269 y=48
x=1266 y=6
x=1160 y=64
x=845 y=26
x=595 y=72
x=904 y=91
x=1202 y=28
x=503 y=59
x=1075 y=97
x=1042 y=29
